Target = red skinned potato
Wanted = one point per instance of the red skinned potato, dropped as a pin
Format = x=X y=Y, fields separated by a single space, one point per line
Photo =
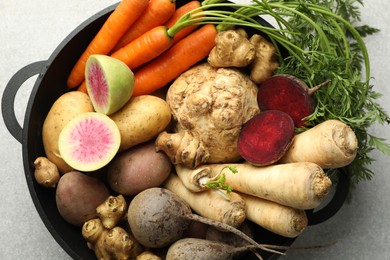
x=137 y=169
x=78 y=195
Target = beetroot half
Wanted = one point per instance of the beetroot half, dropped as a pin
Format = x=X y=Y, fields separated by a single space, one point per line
x=288 y=94
x=265 y=137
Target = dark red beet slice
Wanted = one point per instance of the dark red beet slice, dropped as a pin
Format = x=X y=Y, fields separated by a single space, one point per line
x=265 y=137
x=288 y=94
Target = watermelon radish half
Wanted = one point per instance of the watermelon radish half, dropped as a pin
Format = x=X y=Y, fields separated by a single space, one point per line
x=89 y=141
x=109 y=82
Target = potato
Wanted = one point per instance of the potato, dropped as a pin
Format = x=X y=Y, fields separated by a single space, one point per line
x=78 y=195
x=137 y=169
x=62 y=111
x=141 y=119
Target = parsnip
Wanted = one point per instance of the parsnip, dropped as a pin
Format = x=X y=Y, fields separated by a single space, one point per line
x=299 y=185
x=209 y=204
x=279 y=219
x=330 y=144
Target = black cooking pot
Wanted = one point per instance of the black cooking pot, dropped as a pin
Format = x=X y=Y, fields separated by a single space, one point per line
x=51 y=84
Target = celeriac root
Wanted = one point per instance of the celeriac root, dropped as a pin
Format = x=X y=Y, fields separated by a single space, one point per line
x=330 y=144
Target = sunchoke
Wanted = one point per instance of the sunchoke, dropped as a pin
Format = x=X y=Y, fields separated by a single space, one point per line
x=232 y=49
x=112 y=210
x=265 y=62
x=107 y=244
x=46 y=173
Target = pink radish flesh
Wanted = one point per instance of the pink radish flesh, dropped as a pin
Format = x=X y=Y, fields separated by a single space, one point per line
x=98 y=85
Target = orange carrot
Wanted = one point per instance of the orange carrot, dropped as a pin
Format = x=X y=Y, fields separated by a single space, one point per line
x=145 y=48
x=155 y=14
x=124 y=15
x=179 y=13
x=83 y=87
x=180 y=57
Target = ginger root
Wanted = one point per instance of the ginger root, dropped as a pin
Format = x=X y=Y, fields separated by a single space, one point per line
x=232 y=49
x=107 y=244
x=46 y=173
x=112 y=210
x=265 y=62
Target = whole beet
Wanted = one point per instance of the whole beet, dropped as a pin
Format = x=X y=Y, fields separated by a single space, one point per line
x=158 y=217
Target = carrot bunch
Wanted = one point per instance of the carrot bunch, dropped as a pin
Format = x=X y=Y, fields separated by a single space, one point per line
x=154 y=44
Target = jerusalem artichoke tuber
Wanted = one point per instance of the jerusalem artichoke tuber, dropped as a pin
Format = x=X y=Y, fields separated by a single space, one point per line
x=46 y=173
x=232 y=49
x=107 y=244
x=265 y=62
x=112 y=210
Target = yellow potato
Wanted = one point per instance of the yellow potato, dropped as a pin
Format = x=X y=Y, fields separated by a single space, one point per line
x=141 y=119
x=62 y=111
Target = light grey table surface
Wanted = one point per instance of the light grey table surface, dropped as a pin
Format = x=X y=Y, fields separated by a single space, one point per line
x=31 y=30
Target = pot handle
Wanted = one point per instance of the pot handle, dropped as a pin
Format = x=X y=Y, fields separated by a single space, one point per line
x=9 y=94
x=335 y=204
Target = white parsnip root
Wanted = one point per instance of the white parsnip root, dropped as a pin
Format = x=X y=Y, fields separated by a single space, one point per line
x=330 y=144
x=279 y=219
x=298 y=185
x=210 y=204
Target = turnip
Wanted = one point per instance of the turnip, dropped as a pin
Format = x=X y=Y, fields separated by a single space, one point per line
x=157 y=218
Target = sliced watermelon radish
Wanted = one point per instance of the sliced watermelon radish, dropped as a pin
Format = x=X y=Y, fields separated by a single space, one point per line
x=89 y=141
x=109 y=83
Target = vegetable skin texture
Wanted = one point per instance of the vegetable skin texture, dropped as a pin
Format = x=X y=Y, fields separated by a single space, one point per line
x=279 y=219
x=232 y=49
x=141 y=119
x=46 y=173
x=180 y=57
x=78 y=195
x=300 y=185
x=333 y=144
x=137 y=169
x=209 y=106
x=124 y=15
x=89 y=141
x=202 y=249
x=265 y=62
x=265 y=137
x=155 y=14
x=65 y=108
x=210 y=204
